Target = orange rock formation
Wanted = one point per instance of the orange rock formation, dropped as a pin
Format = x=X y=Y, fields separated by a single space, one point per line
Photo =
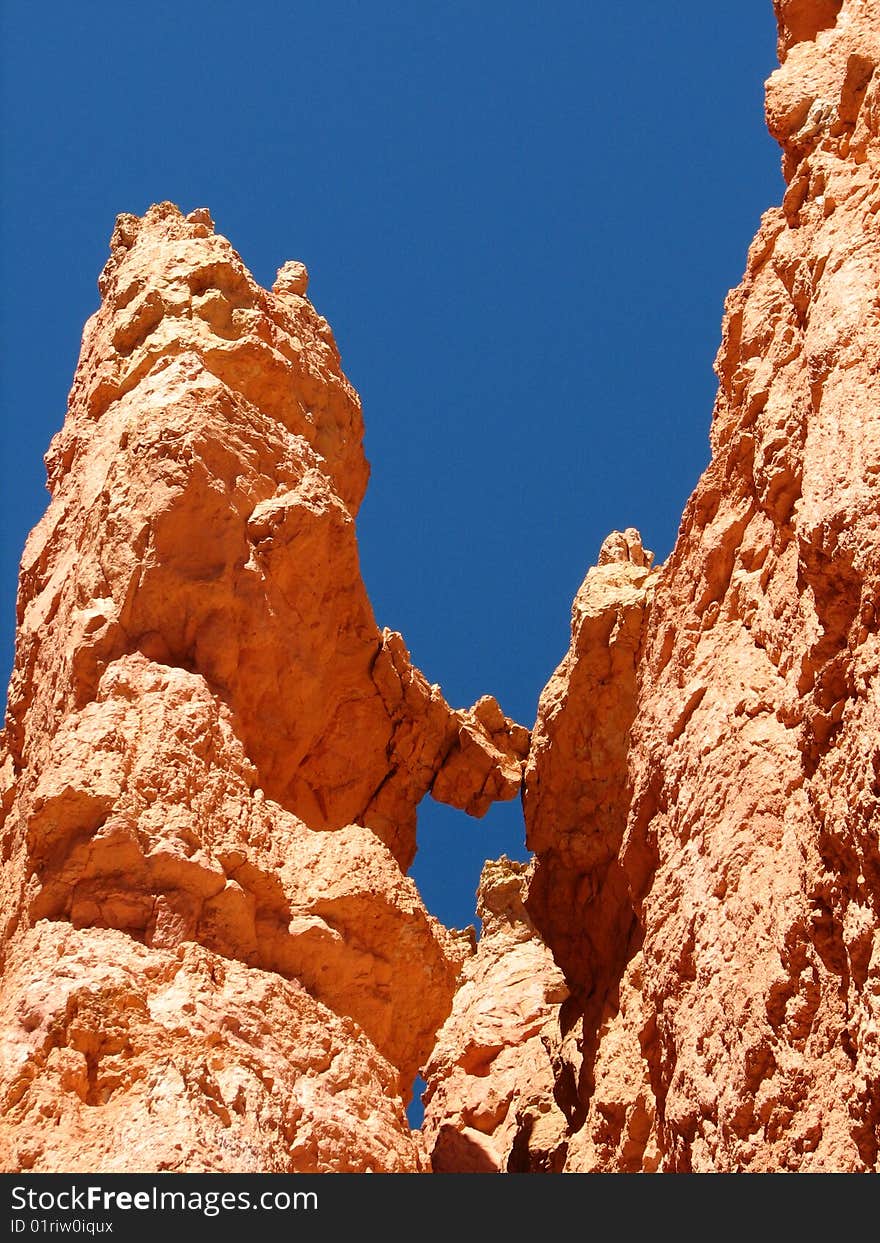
x=703 y=789
x=213 y=757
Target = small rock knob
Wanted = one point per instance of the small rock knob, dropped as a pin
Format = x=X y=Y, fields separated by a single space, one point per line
x=293 y=277
x=201 y=215
x=625 y=546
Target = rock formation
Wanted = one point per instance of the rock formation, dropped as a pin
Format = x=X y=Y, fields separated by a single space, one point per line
x=490 y=1076
x=212 y=757
x=703 y=789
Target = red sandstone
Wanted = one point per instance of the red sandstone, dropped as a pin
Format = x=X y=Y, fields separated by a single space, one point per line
x=212 y=957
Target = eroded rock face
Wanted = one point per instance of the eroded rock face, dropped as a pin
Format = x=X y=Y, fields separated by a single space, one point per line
x=489 y=1107
x=751 y=847
x=212 y=754
x=508 y=1085
x=577 y=791
x=204 y=486
x=703 y=790
x=120 y=1058
x=212 y=956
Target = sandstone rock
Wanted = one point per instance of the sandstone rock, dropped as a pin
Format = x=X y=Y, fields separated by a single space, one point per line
x=148 y=818
x=292 y=278
x=204 y=486
x=120 y=1058
x=730 y=975
x=211 y=955
x=801 y=20
x=703 y=789
x=213 y=757
x=751 y=845
x=489 y=1105
x=577 y=791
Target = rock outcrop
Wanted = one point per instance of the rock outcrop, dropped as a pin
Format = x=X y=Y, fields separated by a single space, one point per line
x=489 y=1106
x=703 y=790
x=213 y=756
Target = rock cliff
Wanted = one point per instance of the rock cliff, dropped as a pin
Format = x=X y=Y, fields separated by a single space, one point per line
x=703 y=788
x=212 y=756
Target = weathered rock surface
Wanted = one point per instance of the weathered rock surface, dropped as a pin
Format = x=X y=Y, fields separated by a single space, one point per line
x=489 y=1106
x=118 y=1057
x=751 y=848
x=703 y=791
x=204 y=486
x=577 y=790
x=213 y=756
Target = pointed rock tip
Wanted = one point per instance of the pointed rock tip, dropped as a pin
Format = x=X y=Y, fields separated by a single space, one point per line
x=159 y=217
x=625 y=546
x=292 y=278
x=502 y=888
x=201 y=215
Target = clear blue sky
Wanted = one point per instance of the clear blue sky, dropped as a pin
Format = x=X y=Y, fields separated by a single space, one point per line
x=521 y=220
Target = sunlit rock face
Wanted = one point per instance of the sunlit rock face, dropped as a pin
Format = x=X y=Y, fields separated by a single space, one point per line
x=213 y=756
x=212 y=956
x=703 y=783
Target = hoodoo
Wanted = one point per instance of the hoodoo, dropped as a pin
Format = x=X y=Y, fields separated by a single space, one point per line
x=212 y=957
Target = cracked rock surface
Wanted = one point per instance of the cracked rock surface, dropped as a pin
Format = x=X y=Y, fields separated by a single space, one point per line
x=213 y=756
x=212 y=957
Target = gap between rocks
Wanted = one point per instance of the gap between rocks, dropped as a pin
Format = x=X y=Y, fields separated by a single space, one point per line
x=452 y=850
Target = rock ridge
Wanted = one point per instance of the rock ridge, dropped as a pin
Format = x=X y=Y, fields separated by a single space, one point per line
x=212 y=754
x=212 y=957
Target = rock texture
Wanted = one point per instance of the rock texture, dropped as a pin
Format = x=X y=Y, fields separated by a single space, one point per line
x=703 y=790
x=119 y=1057
x=212 y=956
x=489 y=1106
x=213 y=756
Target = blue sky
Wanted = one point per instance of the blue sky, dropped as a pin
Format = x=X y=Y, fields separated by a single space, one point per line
x=521 y=220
